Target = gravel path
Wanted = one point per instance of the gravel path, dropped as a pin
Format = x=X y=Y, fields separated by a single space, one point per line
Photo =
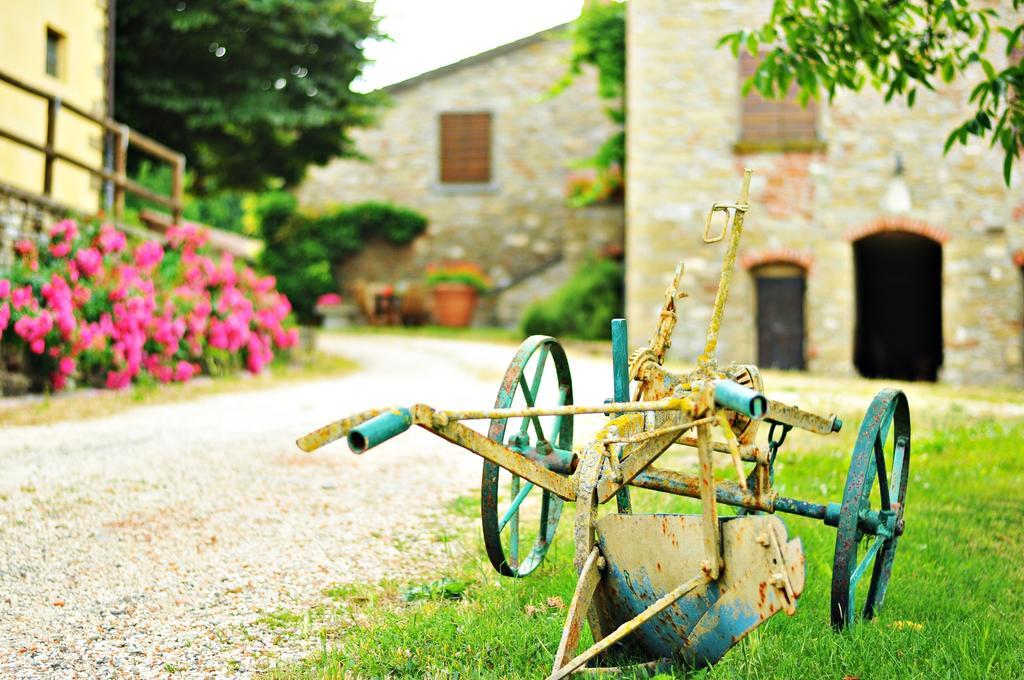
x=152 y=541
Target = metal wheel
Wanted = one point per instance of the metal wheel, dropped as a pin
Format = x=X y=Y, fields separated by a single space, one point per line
x=509 y=506
x=871 y=509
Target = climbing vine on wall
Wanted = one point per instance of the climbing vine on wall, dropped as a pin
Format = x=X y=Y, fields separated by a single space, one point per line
x=303 y=250
x=599 y=40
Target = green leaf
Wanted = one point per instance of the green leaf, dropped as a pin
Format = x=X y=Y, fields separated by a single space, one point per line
x=988 y=68
x=1007 y=167
x=950 y=140
x=948 y=71
x=752 y=44
x=911 y=96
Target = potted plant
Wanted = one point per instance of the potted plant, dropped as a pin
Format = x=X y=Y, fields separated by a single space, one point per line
x=334 y=311
x=456 y=287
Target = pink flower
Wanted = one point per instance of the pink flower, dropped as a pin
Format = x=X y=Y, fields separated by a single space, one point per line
x=328 y=300
x=184 y=371
x=66 y=365
x=38 y=346
x=148 y=254
x=187 y=237
x=25 y=247
x=117 y=380
x=22 y=297
x=66 y=229
x=5 y=288
x=89 y=261
x=60 y=249
x=111 y=240
x=58 y=380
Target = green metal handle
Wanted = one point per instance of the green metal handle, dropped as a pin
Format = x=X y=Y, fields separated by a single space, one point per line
x=736 y=397
x=379 y=429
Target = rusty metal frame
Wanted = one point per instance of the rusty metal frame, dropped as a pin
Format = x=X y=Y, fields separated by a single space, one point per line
x=669 y=409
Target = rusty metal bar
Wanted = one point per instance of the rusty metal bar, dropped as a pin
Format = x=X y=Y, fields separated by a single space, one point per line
x=336 y=430
x=678 y=484
x=651 y=434
x=501 y=455
x=750 y=453
x=739 y=210
x=637 y=457
x=709 y=505
x=587 y=583
x=674 y=404
x=791 y=415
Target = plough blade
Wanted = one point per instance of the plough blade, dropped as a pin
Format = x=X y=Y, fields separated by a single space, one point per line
x=649 y=555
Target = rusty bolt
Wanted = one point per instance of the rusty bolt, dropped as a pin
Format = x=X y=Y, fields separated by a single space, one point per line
x=899 y=527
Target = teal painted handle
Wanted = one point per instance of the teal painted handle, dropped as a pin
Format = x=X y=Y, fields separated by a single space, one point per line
x=736 y=397
x=379 y=429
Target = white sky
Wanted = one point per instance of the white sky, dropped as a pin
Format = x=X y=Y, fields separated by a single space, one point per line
x=427 y=34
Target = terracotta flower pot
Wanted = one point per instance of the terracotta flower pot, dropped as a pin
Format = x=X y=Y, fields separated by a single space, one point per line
x=454 y=304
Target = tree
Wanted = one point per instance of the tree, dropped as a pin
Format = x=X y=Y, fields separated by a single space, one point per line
x=896 y=46
x=252 y=91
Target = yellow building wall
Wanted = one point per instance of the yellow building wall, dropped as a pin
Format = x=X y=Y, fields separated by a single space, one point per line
x=81 y=81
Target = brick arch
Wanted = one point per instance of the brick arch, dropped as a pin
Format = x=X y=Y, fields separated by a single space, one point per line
x=887 y=224
x=758 y=258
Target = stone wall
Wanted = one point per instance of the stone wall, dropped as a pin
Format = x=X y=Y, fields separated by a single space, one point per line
x=24 y=215
x=684 y=105
x=517 y=224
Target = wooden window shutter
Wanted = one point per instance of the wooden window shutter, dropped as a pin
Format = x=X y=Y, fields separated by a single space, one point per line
x=465 y=148
x=764 y=120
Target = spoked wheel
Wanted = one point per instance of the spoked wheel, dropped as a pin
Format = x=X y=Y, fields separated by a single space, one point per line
x=510 y=507
x=870 y=509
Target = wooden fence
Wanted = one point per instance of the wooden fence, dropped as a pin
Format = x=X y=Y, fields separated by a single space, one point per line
x=123 y=138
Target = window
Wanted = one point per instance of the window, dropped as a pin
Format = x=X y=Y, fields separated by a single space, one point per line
x=465 y=148
x=765 y=121
x=54 y=53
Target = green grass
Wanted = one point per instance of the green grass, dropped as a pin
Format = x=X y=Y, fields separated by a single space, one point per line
x=954 y=609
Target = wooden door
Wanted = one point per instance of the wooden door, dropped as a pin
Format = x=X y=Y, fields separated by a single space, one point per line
x=780 y=318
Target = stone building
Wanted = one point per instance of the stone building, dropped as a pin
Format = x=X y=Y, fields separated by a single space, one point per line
x=483 y=151
x=866 y=250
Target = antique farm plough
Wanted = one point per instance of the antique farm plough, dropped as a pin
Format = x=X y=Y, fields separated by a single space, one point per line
x=666 y=588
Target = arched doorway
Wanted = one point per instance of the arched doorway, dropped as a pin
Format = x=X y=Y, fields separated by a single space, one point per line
x=899 y=306
x=780 y=290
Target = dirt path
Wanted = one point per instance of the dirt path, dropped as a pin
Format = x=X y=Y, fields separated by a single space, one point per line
x=150 y=542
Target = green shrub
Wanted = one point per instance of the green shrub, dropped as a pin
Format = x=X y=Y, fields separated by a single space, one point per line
x=221 y=209
x=302 y=251
x=583 y=307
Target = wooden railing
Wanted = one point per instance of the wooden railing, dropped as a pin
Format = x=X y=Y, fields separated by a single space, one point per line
x=123 y=137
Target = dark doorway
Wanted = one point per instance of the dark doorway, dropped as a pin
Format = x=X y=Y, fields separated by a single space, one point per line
x=780 y=316
x=899 y=306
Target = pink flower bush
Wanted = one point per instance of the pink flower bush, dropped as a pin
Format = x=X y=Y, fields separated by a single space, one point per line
x=89 y=308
